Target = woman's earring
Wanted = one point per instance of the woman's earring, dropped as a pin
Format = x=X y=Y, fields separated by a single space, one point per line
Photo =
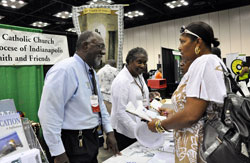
x=197 y=50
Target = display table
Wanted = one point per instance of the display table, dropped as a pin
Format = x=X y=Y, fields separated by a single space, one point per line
x=136 y=153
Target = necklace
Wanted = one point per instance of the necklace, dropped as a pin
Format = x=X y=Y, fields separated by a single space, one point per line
x=140 y=86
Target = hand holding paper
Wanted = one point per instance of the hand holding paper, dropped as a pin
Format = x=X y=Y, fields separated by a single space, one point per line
x=143 y=113
x=140 y=112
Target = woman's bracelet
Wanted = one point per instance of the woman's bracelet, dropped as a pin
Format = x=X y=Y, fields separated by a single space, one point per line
x=158 y=127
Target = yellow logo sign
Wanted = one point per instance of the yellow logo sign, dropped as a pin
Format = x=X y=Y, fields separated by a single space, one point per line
x=96 y=10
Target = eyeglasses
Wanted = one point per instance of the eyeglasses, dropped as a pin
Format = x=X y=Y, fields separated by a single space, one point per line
x=100 y=45
x=184 y=30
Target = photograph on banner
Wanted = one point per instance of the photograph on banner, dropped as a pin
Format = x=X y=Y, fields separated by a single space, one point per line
x=105 y=20
x=30 y=48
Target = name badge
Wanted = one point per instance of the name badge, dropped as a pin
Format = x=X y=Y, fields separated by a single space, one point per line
x=94 y=103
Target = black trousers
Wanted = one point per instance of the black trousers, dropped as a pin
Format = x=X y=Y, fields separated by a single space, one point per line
x=85 y=154
x=123 y=141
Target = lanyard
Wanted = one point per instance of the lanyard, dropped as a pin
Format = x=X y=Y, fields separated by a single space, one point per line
x=93 y=88
x=140 y=86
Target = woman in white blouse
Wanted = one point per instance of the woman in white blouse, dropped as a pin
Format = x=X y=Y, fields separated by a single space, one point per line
x=128 y=86
x=199 y=93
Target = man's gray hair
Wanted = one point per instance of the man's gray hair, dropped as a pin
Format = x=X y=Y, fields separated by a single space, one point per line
x=82 y=38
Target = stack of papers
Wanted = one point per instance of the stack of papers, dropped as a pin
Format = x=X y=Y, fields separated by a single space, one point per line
x=143 y=113
x=140 y=111
x=30 y=156
x=157 y=104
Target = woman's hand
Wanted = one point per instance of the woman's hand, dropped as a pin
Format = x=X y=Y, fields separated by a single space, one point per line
x=166 y=112
x=151 y=125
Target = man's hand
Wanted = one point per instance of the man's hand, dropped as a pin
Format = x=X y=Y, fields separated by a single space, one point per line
x=112 y=144
x=62 y=158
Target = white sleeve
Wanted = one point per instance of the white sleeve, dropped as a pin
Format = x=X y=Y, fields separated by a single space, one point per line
x=206 y=81
x=56 y=93
x=121 y=99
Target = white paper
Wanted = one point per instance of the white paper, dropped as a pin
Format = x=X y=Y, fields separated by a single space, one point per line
x=244 y=88
x=140 y=111
x=30 y=156
x=155 y=105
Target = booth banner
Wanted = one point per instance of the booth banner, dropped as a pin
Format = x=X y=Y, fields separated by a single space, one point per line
x=233 y=61
x=29 y=48
x=107 y=20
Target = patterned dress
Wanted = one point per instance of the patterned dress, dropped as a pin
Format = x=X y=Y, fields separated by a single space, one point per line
x=189 y=140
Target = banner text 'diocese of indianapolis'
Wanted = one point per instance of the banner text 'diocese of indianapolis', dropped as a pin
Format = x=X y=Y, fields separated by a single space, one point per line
x=28 y=48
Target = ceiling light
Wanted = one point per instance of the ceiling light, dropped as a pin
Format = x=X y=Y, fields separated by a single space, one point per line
x=103 y=2
x=40 y=24
x=132 y=14
x=63 y=15
x=15 y=4
x=177 y=3
x=71 y=30
x=185 y=3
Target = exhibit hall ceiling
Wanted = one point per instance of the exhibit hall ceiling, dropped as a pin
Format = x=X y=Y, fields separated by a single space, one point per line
x=28 y=13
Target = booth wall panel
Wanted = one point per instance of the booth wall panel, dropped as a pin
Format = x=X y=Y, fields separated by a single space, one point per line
x=224 y=35
x=235 y=28
x=245 y=29
x=231 y=27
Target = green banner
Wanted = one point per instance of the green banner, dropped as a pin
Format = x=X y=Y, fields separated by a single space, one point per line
x=22 y=83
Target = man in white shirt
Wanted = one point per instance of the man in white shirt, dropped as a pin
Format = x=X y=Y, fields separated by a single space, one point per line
x=72 y=107
x=106 y=75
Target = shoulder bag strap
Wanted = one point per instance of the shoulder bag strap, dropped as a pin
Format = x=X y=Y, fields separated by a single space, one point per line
x=229 y=81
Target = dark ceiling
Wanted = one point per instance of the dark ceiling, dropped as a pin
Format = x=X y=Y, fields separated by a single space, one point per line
x=154 y=11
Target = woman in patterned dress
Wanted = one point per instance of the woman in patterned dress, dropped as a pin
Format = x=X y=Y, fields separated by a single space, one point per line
x=200 y=93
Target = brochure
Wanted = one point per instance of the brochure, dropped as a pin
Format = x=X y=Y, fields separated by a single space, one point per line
x=143 y=113
x=7 y=106
x=155 y=104
x=140 y=111
x=12 y=137
x=30 y=156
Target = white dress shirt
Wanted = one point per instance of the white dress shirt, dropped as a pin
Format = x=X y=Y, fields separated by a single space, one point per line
x=123 y=90
x=65 y=102
x=106 y=75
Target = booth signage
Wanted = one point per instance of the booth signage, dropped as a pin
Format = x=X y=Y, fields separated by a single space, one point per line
x=28 y=48
x=97 y=11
